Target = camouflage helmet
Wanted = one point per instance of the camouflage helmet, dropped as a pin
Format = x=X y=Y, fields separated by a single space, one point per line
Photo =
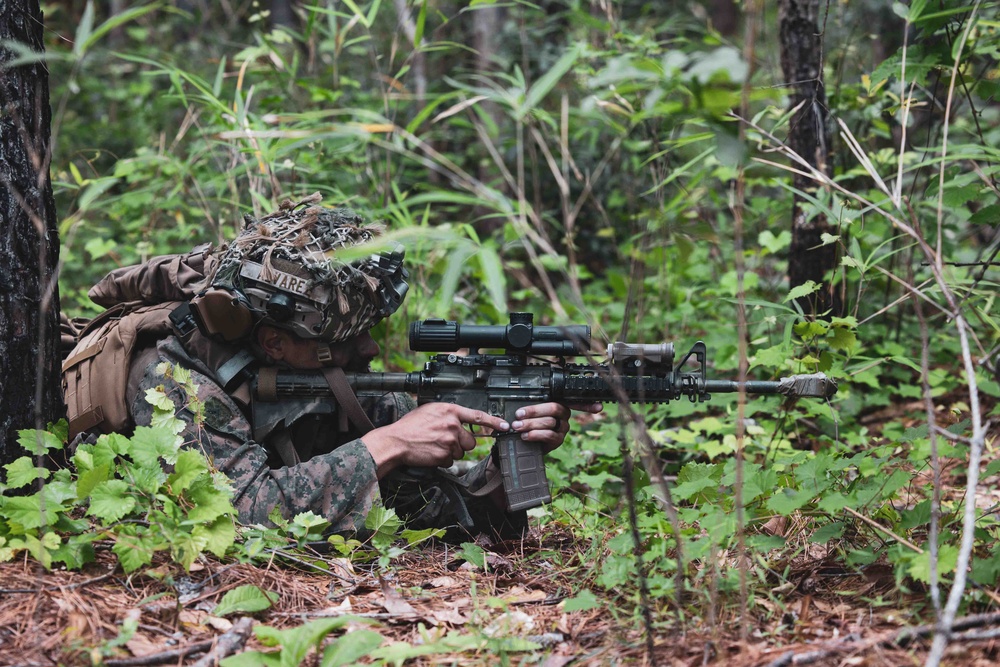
x=284 y=268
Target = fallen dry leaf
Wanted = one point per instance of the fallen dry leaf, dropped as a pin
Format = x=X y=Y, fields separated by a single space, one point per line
x=393 y=603
x=219 y=623
x=141 y=645
x=519 y=594
x=450 y=616
x=442 y=582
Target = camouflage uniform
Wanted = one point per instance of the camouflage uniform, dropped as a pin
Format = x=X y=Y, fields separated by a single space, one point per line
x=333 y=475
x=283 y=270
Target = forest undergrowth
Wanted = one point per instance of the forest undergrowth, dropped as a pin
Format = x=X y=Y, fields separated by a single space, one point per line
x=609 y=164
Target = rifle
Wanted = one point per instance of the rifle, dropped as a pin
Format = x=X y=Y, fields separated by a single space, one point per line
x=500 y=384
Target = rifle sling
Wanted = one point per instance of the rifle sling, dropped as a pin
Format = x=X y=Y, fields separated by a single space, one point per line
x=491 y=485
x=350 y=406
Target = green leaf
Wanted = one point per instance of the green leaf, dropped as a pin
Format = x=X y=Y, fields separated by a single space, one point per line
x=544 y=85
x=245 y=600
x=90 y=193
x=132 y=550
x=920 y=565
x=190 y=465
x=310 y=521
x=147 y=479
x=418 y=35
x=38 y=442
x=211 y=500
x=832 y=503
x=252 y=659
x=805 y=289
x=349 y=649
x=473 y=554
x=417 y=536
x=297 y=642
x=84 y=29
x=694 y=479
x=41 y=549
x=112 y=445
x=88 y=479
x=828 y=533
x=385 y=525
x=786 y=501
x=186 y=547
x=772 y=357
x=218 y=536
x=494 y=277
x=159 y=400
x=30 y=511
x=111 y=500
x=76 y=552
x=583 y=601
x=23 y=471
x=60 y=430
x=149 y=445
x=116 y=20
x=774 y=244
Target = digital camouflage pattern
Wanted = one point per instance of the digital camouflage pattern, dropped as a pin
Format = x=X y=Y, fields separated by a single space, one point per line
x=340 y=486
x=333 y=475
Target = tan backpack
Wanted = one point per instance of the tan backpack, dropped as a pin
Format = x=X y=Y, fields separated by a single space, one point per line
x=140 y=300
x=95 y=375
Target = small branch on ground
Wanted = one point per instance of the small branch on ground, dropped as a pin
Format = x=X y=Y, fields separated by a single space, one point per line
x=229 y=643
x=175 y=655
x=902 y=639
x=215 y=649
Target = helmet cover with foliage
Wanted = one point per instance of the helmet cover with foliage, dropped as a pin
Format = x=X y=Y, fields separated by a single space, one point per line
x=284 y=268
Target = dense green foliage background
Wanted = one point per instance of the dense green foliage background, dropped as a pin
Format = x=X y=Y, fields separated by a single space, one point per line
x=598 y=171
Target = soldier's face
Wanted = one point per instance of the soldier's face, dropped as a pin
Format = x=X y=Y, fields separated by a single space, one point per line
x=353 y=354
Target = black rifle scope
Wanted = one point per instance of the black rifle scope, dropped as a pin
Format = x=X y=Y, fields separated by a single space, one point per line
x=518 y=336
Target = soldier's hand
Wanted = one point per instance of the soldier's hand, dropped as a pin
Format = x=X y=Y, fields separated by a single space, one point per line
x=548 y=423
x=434 y=434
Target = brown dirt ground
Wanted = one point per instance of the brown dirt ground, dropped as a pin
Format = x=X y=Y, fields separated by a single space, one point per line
x=826 y=616
x=58 y=618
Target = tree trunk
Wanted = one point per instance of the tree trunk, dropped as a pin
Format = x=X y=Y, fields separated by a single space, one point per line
x=801 y=39
x=30 y=393
x=725 y=16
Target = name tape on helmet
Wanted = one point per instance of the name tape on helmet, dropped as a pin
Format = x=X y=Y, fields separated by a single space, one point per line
x=285 y=282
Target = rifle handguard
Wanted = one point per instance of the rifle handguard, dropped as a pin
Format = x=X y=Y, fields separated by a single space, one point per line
x=815 y=385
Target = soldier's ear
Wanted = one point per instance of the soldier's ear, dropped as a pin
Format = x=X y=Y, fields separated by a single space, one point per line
x=272 y=341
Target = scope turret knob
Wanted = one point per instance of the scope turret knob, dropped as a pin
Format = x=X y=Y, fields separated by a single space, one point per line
x=519 y=332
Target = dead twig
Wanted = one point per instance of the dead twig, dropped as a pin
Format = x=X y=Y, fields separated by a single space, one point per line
x=175 y=655
x=902 y=639
x=216 y=649
x=12 y=591
x=229 y=643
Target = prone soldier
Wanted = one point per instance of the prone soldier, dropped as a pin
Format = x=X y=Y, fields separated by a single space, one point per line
x=278 y=297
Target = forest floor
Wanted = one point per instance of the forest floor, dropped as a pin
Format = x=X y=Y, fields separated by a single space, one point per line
x=820 y=613
x=828 y=618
